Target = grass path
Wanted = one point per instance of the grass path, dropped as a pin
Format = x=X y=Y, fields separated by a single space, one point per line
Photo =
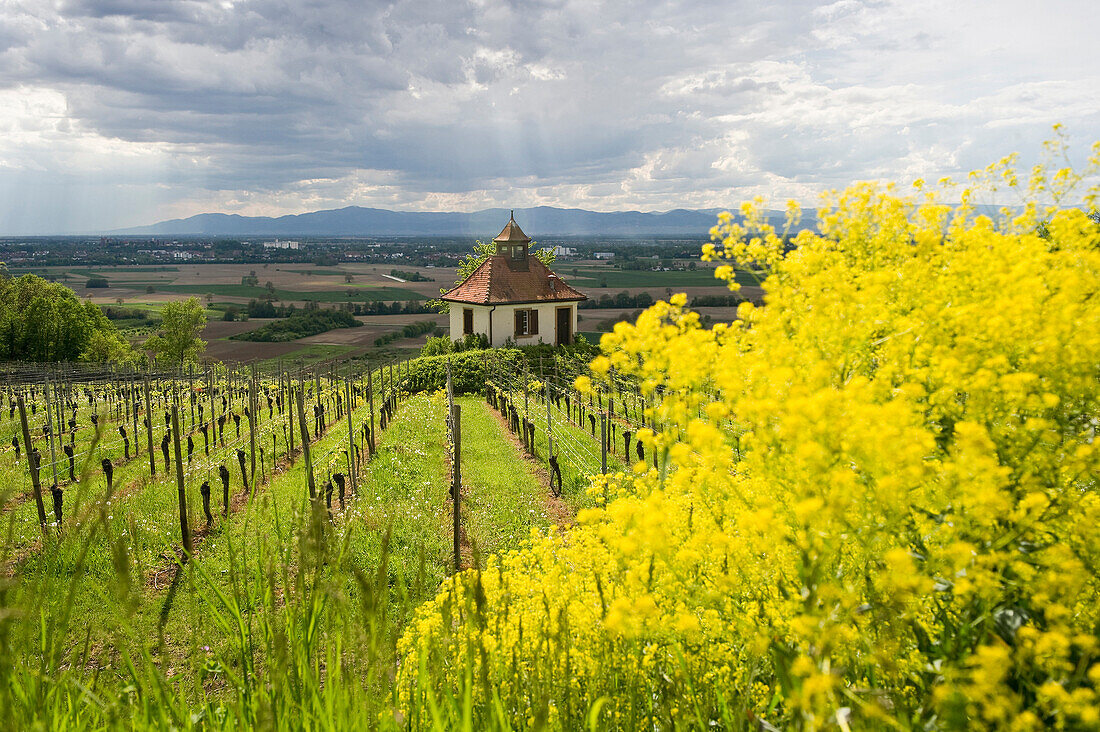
x=504 y=498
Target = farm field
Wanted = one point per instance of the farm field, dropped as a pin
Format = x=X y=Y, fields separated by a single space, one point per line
x=342 y=343
x=599 y=276
x=293 y=283
x=219 y=287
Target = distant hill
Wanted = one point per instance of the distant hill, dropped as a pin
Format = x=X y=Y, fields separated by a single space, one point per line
x=541 y=221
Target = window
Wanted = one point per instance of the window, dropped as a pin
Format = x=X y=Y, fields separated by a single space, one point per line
x=517 y=252
x=527 y=322
x=467 y=321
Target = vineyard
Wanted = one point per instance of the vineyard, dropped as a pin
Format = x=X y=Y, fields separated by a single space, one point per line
x=181 y=523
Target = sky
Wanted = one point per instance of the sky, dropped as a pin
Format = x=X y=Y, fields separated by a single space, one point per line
x=119 y=113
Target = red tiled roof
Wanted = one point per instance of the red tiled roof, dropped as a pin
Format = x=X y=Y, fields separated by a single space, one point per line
x=511 y=233
x=499 y=281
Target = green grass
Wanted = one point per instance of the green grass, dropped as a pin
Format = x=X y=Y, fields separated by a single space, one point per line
x=625 y=279
x=318 y=272
x=91 y=272
x=308 y=353
x=503 y=499
x=362 y=292
x=123 y=270
x=157 y=308
x=282 y=619
x=577 y=450
x=98 y=583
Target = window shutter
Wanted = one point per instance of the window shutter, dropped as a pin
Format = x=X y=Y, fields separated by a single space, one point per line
x=519 y=322
x=533 y=328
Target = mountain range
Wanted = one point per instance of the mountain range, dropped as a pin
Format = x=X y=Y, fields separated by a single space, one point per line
x=541 y=221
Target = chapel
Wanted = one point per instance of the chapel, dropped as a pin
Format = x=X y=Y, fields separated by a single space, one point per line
x=513 y=296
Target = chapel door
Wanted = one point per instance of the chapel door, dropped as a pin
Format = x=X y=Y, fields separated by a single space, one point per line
x=565 y=326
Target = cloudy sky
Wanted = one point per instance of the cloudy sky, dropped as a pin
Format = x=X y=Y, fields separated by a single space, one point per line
x=124 y=112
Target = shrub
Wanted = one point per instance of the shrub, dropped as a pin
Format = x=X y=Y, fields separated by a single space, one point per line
x=264 y=309
x=441 y=344
x=438 y=346
x=409 y=331
x=299 y=325
x=468 y=370
x=411 y=276
x=97 y=283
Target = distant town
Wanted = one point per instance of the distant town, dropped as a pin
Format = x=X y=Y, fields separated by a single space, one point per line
x=30 y=252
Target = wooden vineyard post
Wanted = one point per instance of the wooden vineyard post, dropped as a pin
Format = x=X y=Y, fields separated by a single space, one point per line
x=370 y=401
x=185 y=530
x=450 y=389
x=32 y=464
x=149 y=429
x=59 y=412
x=549 y=430
x=305 y=442
x=252 y=409
x=49 y=437
x=456 y=480
x=351 y=433
x=191 y=391
x=212 y=419
x=288 y=400
x=382 y=395
x=603 y=443
x=134 y=409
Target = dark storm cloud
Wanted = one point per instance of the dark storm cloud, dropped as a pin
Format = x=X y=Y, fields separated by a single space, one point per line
x=641 y=105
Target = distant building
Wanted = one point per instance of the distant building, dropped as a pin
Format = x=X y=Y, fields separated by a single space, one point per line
x=278 y=244
x=514 y=296
x=603 y=255
x=560 y=251
x=183 y=255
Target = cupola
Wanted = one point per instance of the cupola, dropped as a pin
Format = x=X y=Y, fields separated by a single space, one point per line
x=512 y=242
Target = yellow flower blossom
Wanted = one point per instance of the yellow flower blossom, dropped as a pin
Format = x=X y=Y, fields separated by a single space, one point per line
x=879 y=489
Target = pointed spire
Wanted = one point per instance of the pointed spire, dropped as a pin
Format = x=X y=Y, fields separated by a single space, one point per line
x=511 y=233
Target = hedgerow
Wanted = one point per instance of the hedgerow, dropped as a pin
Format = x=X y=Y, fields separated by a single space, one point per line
x=469 y=370
x=299 y=325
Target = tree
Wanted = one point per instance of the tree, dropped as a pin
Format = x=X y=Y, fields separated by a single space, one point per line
x=46 y=322
x=178 y=340
x=106 y=345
